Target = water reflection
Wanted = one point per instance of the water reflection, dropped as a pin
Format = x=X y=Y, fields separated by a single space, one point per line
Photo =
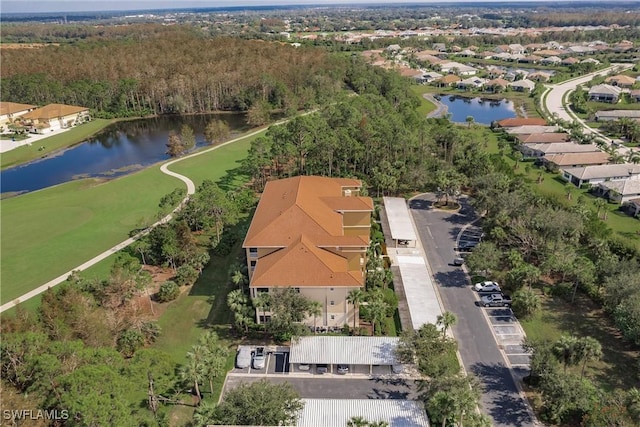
x=119 y=149
x=483 y=111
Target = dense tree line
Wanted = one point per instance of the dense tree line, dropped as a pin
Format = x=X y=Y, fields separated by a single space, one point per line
x=170 y=71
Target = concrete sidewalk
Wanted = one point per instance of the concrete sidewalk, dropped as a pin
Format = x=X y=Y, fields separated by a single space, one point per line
x=8 y=145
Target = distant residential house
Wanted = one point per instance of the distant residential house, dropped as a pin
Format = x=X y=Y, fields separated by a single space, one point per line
x=54 y=117
x=548 y=52
x=521 y=121
x=553 y=45
x=551 y=60
x=569 y=61
x=543 y=138
x=590 y=60
x=623 y=46
x=539 y=76
x=523 y=85
x=620 y=80
x=543 y=149
x=9 y=111
x=417 y=75
x=311 y=234
x=632 y=207
x=440 y=47
x=531 y=129
x=611 y=115
x=567 y=160
x=529 y=59
x=495 y=72
x=394 y=48
x=503 y=56
x=485 y=55
x=532 y=47
x=431 y=76
x=580 y=50
x=457 y=68
x=620 y=191
x=635 y=95
x=466 y=53
x=471 y=83
x=496 y=85
x=447 y=80
x=604 y=93
x=597 y=174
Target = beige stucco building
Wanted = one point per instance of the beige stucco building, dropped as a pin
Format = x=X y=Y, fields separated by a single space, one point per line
x=311 y=233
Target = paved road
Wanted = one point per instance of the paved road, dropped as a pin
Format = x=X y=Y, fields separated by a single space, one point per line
x=478 y=349
x=191 y=188
x=556 y=94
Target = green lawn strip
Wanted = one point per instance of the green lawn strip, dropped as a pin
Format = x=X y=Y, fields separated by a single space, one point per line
x=583 y=318
x=73 y=136
x=425 y=107
x=48 y=232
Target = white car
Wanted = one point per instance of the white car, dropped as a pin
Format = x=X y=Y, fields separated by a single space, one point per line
x=304 y=367
x=243 y=360
x=259 y=358
x=487 y=286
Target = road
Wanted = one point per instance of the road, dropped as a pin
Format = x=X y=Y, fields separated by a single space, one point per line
x=191 y=188
x=556 y=94
x=438 y=230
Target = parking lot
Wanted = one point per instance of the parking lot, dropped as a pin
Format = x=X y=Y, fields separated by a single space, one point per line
x=509 y=335
x=469 y=238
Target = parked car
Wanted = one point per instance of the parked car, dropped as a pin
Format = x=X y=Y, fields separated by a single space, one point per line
x=304 y=367
x=243 y=359
x=458 y=261
x=487 y=286
x=496 y=300
x=259 y=358
x=343 y=369
x=322 y=368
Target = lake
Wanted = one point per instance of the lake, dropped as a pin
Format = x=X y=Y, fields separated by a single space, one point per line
x=119 y=149
x=483 y=111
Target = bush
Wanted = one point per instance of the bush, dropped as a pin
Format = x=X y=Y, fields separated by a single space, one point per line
x=129 y=341
x=225 y=245
x=168 y=291
x=186 y=275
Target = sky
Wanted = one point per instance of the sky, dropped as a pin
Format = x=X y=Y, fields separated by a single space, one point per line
x=27 y=6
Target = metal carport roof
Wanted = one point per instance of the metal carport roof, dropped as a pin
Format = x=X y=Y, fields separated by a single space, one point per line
x=337 y=412
x=399 y=218
x=344 y=350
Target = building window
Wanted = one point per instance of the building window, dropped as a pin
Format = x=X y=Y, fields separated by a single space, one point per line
x=333 y=317
x=331 y=289
x=262 y=290
x=297 y=290
x=253 y=252
x=253 y=265
x=332 y=303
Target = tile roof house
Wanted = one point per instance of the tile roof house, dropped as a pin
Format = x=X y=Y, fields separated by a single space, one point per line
x=524 y=85
x=635 y=95
x=55 y=116
x=609 y=115
x=620 y=80
x=543 y=149
x=604 y=93
x=620 y=191
x=597 y=174
x=496 y=85
x=310 y=233
x=577 y=159
x=471 y=83
x=447 y=80
x=531 y=129
x=543 y=138
x=11 y=110
x=522 y=121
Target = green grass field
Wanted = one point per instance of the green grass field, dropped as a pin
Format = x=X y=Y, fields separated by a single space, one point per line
x=73 y=136
x=425 y=106
x=48 y=232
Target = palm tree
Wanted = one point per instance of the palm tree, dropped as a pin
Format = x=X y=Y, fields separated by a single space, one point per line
x=236 y=299
x=262 y=302
x=239 y=279
x=315 y=310
x=443 y=406
x=355 y=297
x=616 y=158
x=589 y=349
x=566 y=350
x=377 y=312
x=600 y=204
x=633 y=404
x=193 y=369
x=633 y=157
x=469 y=120
x=446 y=320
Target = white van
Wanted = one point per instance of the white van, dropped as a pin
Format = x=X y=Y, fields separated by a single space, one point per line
x=243 y=359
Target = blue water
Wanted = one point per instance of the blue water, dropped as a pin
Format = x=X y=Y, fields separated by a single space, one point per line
x=119 y=149
x=483 y=111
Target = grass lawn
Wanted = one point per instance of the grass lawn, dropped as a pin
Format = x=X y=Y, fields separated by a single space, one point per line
x=73 y=136
x=425 y=106
x=583 y=318
x=48 y=232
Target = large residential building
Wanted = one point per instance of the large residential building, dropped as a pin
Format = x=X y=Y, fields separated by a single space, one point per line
x=12 y=110
x=54 y=117
x=311 y=233
x=597 y=174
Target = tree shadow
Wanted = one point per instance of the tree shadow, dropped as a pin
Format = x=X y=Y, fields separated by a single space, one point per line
x=508 y=408
x=451 y=279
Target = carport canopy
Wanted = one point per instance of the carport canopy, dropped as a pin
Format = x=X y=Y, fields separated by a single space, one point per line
x=338 y=412
x=399 y=219
x=344 y=350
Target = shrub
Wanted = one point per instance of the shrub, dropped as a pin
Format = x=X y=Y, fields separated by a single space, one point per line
x=168 y=291
x=186 y=275
x=129 y=341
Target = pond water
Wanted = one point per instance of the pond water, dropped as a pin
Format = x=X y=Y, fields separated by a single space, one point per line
x=483 y=111
x=119 y=149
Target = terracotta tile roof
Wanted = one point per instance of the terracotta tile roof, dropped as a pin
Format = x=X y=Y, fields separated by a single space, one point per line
x=578 y=159
x=304 y=264
x=53 y=111
x=497 y=82
x=543 y=138
x=449 y=78
x=620 y=79
x=514 y=122
x=289 y=207
x=13 y=107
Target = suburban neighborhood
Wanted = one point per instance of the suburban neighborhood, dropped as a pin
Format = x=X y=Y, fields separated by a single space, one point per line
x=396 y=215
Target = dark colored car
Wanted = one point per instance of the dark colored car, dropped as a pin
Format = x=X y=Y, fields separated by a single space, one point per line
x=322 y=368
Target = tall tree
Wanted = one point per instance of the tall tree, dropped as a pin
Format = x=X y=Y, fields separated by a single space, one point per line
x=356 y=297
x=193 y=371
x=315 y=310
x=216 y=131
x=446 y=320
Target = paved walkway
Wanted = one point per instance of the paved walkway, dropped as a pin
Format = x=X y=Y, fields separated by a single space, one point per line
x=8 y=145
x=191 y=188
